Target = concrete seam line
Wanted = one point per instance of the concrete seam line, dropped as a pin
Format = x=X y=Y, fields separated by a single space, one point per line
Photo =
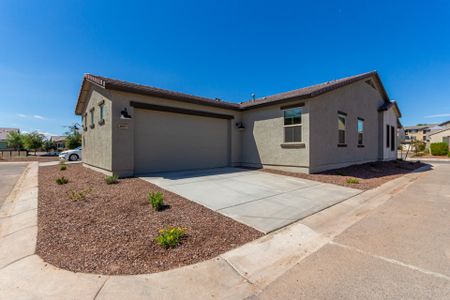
x=13 y=194
x=237 y=272
x=18 y=230
x=393 y=261
x=19 y=213
x=101 y=287
x=14 y=261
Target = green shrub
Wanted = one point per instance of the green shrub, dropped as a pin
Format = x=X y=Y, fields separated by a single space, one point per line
x=78 y=195
x=439 y=149
x=156 y=200
x=62 y=162
x=170 y=237
x=352 y=180
x=62 y=168
x=62 y=180
x=113 y=179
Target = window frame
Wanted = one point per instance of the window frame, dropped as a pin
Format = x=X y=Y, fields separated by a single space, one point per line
x=300 y=125
x=388 y=137
x=92 y=117
x=360 y=142
x=344 y=116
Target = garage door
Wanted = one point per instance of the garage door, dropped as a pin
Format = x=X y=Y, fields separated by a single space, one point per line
x=167 y=141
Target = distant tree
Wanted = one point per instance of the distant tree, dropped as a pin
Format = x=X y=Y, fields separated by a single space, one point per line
x=14 y=139
x=73 y=136
x=33 y=141
x=48 y=145
x=421 y=124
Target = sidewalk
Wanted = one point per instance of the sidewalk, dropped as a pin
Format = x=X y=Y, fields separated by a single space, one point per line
x=237 y=274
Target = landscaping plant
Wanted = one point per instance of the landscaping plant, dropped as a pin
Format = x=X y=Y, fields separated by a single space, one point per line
x=62 y=180
x=156 y=200
x=439 y=149
x=77 y=195
x=62 y=167
x=170 y=237
x=113 y=179
x=352 y=180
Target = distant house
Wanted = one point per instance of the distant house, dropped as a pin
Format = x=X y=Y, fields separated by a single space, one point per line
x=60 y=142
x=440 y=136
x=135 y=129
x=422 y=132
x=3 y=135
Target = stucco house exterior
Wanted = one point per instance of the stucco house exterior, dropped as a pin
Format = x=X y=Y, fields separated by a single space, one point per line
x=131 y=129
x=441 y=136
x=3 y=136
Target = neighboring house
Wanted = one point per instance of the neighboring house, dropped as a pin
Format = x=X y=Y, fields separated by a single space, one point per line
x=422 y=132
x=60 y=142
x=3 y=134
x=133 y=129
x=440 y=136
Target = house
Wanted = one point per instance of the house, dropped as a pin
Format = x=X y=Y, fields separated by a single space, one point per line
x=440 y=136
x=131 y=129
x=421 y=132
x=4 y=134
x=59 y=141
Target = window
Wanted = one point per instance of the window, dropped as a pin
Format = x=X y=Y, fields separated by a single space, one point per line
x=101 y=111
x=293 y=125
x=341 y=127
x=85 y=121
x=392 y=138
x=388 y=138
x=92 y=118
x=360 y=131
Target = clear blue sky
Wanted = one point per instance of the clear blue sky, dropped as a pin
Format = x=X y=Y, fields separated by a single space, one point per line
x=228 y=50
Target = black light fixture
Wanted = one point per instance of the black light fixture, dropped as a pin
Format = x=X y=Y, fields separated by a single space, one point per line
x=124 y=114
x=240 y=126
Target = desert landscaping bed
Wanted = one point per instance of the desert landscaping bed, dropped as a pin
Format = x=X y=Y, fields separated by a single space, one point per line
x=364 y=177
x=112 y=230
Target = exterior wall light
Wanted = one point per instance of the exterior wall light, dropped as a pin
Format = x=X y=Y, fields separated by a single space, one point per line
x=240 y=126
x=124 y=114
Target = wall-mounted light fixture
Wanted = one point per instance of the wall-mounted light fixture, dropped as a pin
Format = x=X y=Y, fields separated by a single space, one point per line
x=240 y=126
x=124 y=114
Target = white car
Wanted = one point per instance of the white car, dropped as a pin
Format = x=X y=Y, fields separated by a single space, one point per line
x=71 y=155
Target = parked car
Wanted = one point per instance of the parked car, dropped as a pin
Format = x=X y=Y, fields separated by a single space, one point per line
x=71 y=155
x=51 y=153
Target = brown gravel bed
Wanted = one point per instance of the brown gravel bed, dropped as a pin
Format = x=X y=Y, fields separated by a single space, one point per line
x=369 y=175
x=112 y=230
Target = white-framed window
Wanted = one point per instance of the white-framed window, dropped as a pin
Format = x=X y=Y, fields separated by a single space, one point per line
x=342 y=119
x=360 y=131
x=292 y=125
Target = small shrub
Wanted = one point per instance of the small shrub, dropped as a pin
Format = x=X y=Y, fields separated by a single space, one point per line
x=78 y=195
x=439 y=149
x=170 y=237
x=113 y=179
x=62 y=162
x=62 y=180
x=352 y=180
x=156 y=200
x=340 y=173
x=62 y=167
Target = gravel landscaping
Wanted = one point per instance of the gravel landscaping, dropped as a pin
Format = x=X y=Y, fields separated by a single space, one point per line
x=30 y=158
x=110 y=229
x=368 y=176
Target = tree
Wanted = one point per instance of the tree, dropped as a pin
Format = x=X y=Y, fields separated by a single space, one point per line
x=33 y=141
x=73 y=136
x=48 y=145
x=14 y=139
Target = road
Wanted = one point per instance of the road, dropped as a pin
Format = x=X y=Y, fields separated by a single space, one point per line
x=400 y=251
x=9 y=174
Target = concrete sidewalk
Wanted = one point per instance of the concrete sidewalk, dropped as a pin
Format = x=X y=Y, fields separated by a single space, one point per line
x=237 y=274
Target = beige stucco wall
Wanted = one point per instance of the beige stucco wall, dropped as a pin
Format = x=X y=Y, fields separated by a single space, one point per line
x=358 y=100
x=438 y=137
x=389 y=118
x=97 y=141
x=123 y=137
x=263 y=140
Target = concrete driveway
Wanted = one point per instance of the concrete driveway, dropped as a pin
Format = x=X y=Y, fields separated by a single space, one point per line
x=258 y=199
x=9 y=174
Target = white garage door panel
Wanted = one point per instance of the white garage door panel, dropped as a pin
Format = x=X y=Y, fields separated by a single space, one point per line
x=170 y=141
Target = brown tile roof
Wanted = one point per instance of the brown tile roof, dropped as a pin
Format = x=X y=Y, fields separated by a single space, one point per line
x=307 y=92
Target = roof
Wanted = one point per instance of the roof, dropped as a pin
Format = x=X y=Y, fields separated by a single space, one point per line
x=446 y=123
x=420 y=127
x=57 y=138
x=4 y=132
x=303 y=93
x=388 y=105
x=439 y=131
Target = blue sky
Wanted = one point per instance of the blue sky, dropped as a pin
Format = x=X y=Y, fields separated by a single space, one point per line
x=226 y=49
